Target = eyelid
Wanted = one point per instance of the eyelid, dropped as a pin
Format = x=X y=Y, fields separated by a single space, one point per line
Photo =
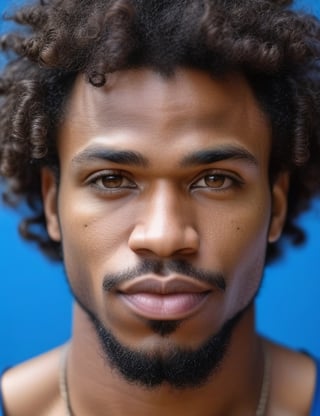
x=92 y=179
x=236 y=180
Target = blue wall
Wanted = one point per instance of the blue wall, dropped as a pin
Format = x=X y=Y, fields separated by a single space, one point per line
x=35 y=305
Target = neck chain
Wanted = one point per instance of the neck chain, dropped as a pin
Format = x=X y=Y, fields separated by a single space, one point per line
x=262 y=404
x=63 y=381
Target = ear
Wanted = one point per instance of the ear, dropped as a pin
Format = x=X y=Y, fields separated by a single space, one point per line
x=50 y=203
x=279 y=206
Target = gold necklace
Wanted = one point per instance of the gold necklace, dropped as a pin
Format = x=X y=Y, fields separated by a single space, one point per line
x=263 y=399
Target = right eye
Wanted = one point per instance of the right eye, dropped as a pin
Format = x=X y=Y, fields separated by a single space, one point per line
x=111 y=181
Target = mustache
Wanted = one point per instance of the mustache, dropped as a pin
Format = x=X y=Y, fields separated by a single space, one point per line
x=164 y=268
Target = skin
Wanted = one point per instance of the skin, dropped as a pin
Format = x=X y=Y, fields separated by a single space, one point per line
x=218 y=216
x=169 y=212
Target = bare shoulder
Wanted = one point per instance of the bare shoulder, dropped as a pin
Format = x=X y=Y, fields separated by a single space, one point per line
x=32 y=388
x=292 y=382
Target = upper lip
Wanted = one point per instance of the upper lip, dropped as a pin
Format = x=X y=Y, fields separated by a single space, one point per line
x=164 y=285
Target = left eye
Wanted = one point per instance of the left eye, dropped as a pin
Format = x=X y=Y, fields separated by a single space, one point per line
x=112 y=181
x=214 y=181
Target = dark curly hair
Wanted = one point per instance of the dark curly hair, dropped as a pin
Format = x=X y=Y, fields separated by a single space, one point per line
x=275 y=48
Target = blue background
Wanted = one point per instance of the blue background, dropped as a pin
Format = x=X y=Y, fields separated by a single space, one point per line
x=36 y=307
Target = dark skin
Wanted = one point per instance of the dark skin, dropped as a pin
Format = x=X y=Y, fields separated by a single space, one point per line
x=217 y=215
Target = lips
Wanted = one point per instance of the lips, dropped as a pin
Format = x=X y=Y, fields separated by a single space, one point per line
x=164 y=298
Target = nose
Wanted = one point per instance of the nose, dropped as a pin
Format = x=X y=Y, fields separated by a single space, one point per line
x=165 y=227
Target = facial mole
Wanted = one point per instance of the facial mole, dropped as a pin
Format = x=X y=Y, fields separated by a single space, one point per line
x=85 y=226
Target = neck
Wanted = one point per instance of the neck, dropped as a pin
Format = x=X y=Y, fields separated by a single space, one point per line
x=234 y=389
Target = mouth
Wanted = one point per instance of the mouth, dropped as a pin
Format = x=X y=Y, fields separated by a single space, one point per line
x=164 y=298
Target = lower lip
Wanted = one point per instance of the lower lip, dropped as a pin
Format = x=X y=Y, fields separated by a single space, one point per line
x=165 y=307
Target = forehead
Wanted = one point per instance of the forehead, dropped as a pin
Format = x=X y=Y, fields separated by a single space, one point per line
x=137 y=107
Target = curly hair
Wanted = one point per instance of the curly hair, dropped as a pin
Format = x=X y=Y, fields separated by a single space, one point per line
x=276 y=48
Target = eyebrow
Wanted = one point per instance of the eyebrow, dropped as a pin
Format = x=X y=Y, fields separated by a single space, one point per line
x=111 y=155
x=205 y=157
x=131 y=158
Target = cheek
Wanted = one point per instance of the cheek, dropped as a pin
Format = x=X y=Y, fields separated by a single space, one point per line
x=238 y=229
x=236 y=246
x=93 y=238
x=248 y=238
x=248 y=269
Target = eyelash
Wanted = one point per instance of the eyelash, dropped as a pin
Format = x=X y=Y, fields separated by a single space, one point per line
x=116 y=175
x=233 y=181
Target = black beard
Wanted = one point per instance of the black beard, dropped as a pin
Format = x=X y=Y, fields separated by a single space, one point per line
x=179 y=368
x=163 y=328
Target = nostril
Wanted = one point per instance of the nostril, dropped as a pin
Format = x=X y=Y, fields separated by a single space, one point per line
x=170 y=241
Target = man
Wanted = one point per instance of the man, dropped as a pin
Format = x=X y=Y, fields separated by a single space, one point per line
x=164 y=147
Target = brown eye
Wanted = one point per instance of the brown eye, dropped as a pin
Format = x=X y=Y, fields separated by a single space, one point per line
x=215 y=181
x=105 y=181
x=111 y=181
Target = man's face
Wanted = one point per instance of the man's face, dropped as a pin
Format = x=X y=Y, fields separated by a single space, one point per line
x=164 y=206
